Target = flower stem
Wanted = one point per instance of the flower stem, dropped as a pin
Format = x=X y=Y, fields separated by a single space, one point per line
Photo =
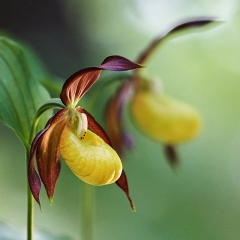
x=30 y=205
x=30 y=216
x=88 y=211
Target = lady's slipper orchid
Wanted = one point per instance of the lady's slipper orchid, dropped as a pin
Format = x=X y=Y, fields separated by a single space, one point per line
x=73 y=133
x=158 y=116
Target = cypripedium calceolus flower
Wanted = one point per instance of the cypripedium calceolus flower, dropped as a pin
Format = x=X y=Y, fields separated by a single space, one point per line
x=156 y=114
x=73 y=133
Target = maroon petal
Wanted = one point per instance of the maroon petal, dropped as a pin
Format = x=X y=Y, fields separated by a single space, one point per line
x=33 y=178
x=80 y=82
x=48 y=153
x=113 y=124
x=114 y=118
x=118 y=63
x=123 y=184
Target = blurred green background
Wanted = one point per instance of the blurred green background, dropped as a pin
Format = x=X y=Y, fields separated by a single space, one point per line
x=199 y=201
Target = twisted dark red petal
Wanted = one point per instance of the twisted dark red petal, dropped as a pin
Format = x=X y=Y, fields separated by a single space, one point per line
x=33 y=178
x=123 y=184
x=48 y=153
x=45 y=144
x=118 y=63
x=114 y=119
x=80 y=82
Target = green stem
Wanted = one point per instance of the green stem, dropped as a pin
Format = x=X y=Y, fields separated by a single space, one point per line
x=30 y=205
x=88 y=211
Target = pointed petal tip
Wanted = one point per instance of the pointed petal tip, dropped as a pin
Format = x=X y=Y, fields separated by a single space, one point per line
x=131 y=202
x=38 y=202
x=123 y=184
x=132 y=205
x=51 y=201
x=34 y=183
x=40 y=207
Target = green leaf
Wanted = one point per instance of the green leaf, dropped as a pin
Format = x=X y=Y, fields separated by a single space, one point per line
x=20 y=93
x=38 y=69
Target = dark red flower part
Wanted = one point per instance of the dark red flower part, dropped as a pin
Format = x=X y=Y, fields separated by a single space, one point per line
x=33 y=178
x=114 y=114
x=80 y=82
x=123 y=184
x=172 y=155
x=49 y=170
x=47 y=161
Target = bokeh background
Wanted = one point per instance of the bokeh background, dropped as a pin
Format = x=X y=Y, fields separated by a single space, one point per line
x=201 y=200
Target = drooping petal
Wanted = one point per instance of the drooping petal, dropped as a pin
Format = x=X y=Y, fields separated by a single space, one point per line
x=47 y=152
x=113 y=124
x=123 y=184
x=114 y=119
x=80 y=82
x=33 y=178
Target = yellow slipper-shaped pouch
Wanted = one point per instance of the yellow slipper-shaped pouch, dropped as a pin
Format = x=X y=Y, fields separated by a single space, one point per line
x=90 y=158
x=163 y=118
